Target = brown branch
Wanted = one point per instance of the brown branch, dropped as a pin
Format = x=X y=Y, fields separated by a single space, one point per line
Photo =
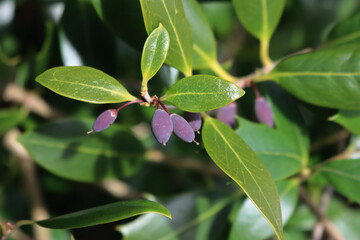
x=319 y=228
x=31 y=101
x=28 y=170
x=332 y=139
x=245 y=80
x=120 y=189
x=329 y=227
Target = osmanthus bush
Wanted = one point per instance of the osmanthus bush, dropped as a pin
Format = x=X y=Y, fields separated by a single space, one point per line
x=285 y=130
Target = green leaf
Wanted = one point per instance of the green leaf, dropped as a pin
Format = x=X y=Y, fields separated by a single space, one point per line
x=104 y=214
x=124 y=18
x=220 y=10
x=9 y=118
x=84 y=84
x=195 y=221
x=75 y=155
x=259 y=17
x=348 y=119
x=328 y=78
x=204 y=41
x=154 y=53
x=171 y=15
x=277 y=149
x=202 y=93
x=240 y=163
x=344 y=175
x=345 y=32
x=244 y=227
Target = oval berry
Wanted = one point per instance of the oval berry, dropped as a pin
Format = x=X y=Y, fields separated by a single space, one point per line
x=194 y=119
x=104 y=120
x=182 y=128
x=263 y=111
x=161 y=126
x=227 y=114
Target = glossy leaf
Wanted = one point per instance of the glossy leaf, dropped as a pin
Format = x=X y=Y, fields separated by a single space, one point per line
x=171 y=15
x=250 y=224
x=124 y=18
x=104 y=214
x=239 y=162
x=328 y=78
x=344 y=175
x=84 y=84
x=75 y=155
x=348 y=119
x=283 y=149
x=154 y=53
x=194 y=221
x=259 y=17
x=202 y=93
x=345 y=32
x=204 y=41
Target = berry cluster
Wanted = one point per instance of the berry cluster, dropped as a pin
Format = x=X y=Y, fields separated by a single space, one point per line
x=165 y=123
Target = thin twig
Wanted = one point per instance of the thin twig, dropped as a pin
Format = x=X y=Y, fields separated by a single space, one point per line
x=245 y=80
x=120 y=189
x=332 y=139
x=319 y=228
x=38 y=210
x=329 y=227
x=30 y=101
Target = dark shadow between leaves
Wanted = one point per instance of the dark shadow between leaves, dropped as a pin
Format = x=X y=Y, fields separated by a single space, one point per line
x=124 y=18
x=70 y=150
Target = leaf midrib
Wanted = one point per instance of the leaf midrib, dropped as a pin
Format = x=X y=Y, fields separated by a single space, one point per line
x=113 y=92
x=289 y=155
x=264 y=20
x=325 y=74
x=238 y=157
x=188 y=68
x=196 y=93
x=340 y=173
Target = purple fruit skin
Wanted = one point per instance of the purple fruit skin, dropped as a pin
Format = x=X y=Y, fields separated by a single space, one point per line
x=182 y=128
x=227 y=114
x=263 y=112
x=161 y=126
x=194 y=119
x=104 y=120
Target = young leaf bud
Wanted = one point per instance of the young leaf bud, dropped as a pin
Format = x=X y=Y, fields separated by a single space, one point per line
x=182 y=128
x=162 y=126
x=194 y=119
x=104 y=120
x=227 y=114
x=263 y=111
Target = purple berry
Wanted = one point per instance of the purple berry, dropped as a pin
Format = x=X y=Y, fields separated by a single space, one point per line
x=182 y=128
x=227 y=114
x=194 y=119
x=263 y=111
x=162 y=126
x=104 y=120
